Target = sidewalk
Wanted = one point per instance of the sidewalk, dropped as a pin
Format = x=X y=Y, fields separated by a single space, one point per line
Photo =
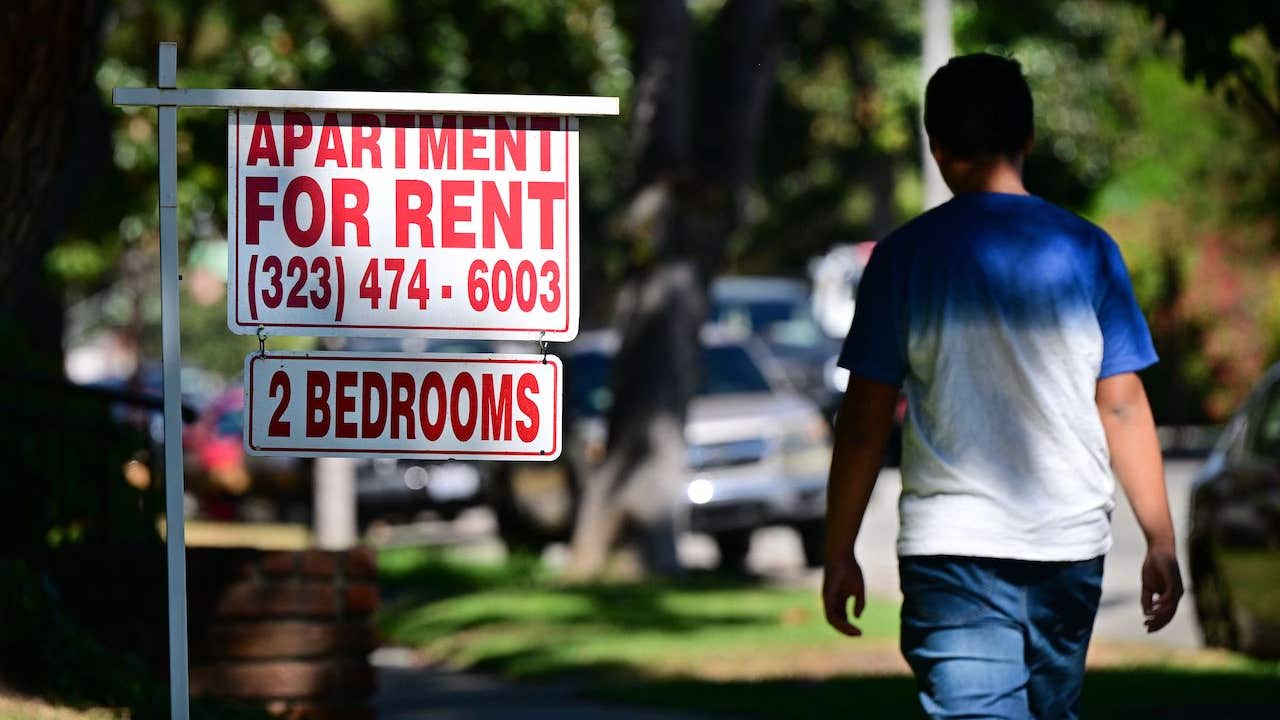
x=410 y=690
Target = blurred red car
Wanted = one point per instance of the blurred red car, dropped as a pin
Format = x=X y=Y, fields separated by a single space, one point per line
x=223 y=477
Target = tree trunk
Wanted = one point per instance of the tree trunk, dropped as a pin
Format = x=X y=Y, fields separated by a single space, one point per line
x=691 y=165
x=49 y=53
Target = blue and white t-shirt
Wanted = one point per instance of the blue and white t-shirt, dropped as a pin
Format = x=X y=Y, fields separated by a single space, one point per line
x=998 y=314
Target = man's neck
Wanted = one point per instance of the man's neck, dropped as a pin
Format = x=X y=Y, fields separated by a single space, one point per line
x=1000 y=176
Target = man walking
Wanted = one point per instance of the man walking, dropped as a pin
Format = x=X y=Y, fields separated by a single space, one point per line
x=1012 y=327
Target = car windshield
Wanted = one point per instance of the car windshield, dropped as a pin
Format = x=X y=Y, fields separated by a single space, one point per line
x=756 y=315
x=726 y=369
x=730 y=369
x=785 y=322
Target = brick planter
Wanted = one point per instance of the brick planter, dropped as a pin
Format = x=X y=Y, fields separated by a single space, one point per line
x=291 y=630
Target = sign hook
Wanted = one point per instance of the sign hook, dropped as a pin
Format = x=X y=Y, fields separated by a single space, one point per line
x=262 y=342
x=543 y=345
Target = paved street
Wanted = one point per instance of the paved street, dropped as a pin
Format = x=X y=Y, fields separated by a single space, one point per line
x=776 y=553
x=409 y=690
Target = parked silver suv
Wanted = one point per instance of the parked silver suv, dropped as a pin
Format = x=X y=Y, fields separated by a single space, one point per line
x=758 y=451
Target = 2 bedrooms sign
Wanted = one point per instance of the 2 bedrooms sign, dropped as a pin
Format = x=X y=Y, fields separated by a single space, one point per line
x=498 y=407
x=387 y=224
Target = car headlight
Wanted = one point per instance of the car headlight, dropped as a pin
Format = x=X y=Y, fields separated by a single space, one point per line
x=700 y=491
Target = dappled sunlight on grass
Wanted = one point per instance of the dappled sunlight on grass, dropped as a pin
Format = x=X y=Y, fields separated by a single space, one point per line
x=19 y=708
x=517 y=620
x=263 y=536
x=723 y=644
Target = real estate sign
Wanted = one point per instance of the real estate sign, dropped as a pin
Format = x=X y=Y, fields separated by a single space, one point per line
x=399 y=223
x=438 y=406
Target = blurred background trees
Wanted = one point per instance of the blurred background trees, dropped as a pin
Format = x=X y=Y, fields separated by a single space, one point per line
x=695 y=130
x=1158 y=119
x=1155 y=118
x=48 y=65
x=1182 y=172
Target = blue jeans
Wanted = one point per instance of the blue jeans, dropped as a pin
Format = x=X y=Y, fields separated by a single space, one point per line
x=989 y=638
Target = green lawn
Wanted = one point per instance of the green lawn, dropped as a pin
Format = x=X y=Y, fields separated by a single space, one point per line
x=20 y=708
x=722 y=644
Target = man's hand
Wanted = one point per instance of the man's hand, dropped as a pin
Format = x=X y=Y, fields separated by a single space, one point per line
x=841 y=580
x=1161 y=586
x=862 y=430
x=1135 y=458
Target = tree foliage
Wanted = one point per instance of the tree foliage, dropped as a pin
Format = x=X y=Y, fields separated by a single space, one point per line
x=1121 y=138
x=1183 y=178
x=1232 y=43
x=46 y=64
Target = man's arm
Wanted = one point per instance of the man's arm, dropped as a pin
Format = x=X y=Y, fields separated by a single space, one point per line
x=1135 y=459
x=862 y=430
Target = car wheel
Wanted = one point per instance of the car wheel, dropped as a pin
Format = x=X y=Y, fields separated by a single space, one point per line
x=813 y=540
x=733 y=546
x=1213 y=602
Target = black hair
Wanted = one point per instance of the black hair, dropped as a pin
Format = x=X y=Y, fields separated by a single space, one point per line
x=979 y=105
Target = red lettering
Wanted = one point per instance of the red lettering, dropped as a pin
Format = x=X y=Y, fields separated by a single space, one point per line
x=262 y=146
x=254 y=211
x=473 y=142
x=452 y=213
x=279 y=427
x=402 y=404
x=527 y=385
x=331 y=147
x=495 y=415
x=399 y=122
x=344 y=215
x=509 y=217
x=298 y=186
x=436 y=142
x=295 y=141
x=546 y=193
x=431 y=430
x=365 y=131
x=508 y=143
x=407 y=190
x=317 y=403
x=544 y=126
x=371 y=426
x=345 y=403
x=463 y=429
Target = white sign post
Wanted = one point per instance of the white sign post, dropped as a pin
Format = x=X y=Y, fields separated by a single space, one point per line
x=489 y=170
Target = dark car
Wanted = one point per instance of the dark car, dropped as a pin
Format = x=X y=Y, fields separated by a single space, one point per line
x=400 y=488
x=1235 y=529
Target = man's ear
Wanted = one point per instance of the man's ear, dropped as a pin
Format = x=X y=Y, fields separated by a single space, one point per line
x=939 y=155
x=1030 y=143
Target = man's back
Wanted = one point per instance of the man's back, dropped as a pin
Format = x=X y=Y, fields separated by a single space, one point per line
x=998 y=305
x=1013 y=329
